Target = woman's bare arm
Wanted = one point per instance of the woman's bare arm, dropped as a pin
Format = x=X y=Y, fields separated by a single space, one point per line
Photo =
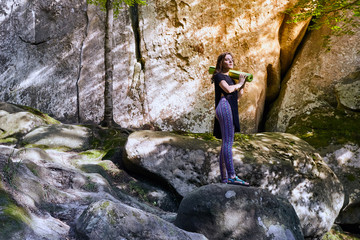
x=231 y=88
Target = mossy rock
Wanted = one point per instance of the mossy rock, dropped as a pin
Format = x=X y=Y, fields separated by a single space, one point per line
x=107 y=139
x=47 y=119
x=323 y=127
x=93 y=141
x=17 y=120
x=105 y=168
x=13 y=218
x=336 y=233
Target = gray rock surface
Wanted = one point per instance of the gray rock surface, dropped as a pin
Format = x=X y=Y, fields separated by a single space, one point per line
x=223 y=211
x=40 y=54
x=17 y=120
x=106 y=220
x=311 y=80
x=279 y=162
x=348 y=92
x=345 y=162
x=59 y=136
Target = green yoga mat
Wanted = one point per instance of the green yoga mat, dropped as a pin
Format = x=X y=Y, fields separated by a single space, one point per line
x=235 y=74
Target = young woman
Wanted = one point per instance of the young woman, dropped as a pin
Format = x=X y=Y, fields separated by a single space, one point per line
x=227 y=117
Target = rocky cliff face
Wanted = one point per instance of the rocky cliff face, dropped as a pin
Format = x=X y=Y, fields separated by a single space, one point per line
x=40 y=54
x=52 y=57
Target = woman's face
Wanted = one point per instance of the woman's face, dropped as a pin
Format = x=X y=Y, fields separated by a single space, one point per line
x=228 y=62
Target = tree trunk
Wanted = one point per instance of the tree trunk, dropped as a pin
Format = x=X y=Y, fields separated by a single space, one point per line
x=108 y=92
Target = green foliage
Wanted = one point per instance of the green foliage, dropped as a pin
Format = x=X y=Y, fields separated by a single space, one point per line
x=239 y=137
x=116 y=4
x=203 y=136
x=338 y=234
x=136 y=189
x=90 y=186
x=339 y=15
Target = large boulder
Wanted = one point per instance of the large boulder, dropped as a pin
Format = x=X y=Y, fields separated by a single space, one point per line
x=345 y=162
x=19 y=120
x=348 y=92
x=221 y=211
x=20 y=216
x=278 y=162
x=107 y=220
x=195 y=33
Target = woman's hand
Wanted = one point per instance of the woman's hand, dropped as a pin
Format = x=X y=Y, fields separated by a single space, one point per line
x=242 y=80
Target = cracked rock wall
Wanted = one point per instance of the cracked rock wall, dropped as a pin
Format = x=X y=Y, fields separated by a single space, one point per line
x=40 y=53
x=52 y=56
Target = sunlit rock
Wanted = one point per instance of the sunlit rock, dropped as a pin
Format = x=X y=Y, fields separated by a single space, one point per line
x=309 y=84
x=221 y=211
x=20 y=120
x=107 y=220
x=43 y=197
x=40 y=54
x=195 y=32
x=279 y=162
x=43 y=190
x=59 y=136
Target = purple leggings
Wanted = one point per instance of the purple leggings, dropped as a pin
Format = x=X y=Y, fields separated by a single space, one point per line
x=224 y=115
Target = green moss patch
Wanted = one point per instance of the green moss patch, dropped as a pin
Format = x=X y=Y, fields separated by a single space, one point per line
x=13 y=218
x=105 y=141
x=45 y=117
x=328 y=126
x=136 y=189
x=203 y=136
x=9 y=140
x=107 y=138
x=339 y=235
x=95 y=154
x=90 y=186
x=46 y=147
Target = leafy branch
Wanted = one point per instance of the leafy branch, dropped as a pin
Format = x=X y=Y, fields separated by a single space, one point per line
x=117 y=5
x=340 y=16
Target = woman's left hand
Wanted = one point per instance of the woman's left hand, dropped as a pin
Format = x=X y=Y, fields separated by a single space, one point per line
x=240 y=92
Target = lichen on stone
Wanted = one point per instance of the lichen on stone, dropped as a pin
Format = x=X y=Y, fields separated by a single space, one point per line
x=323 y=127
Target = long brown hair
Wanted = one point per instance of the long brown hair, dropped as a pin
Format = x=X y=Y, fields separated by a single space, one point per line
x=220 y=63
